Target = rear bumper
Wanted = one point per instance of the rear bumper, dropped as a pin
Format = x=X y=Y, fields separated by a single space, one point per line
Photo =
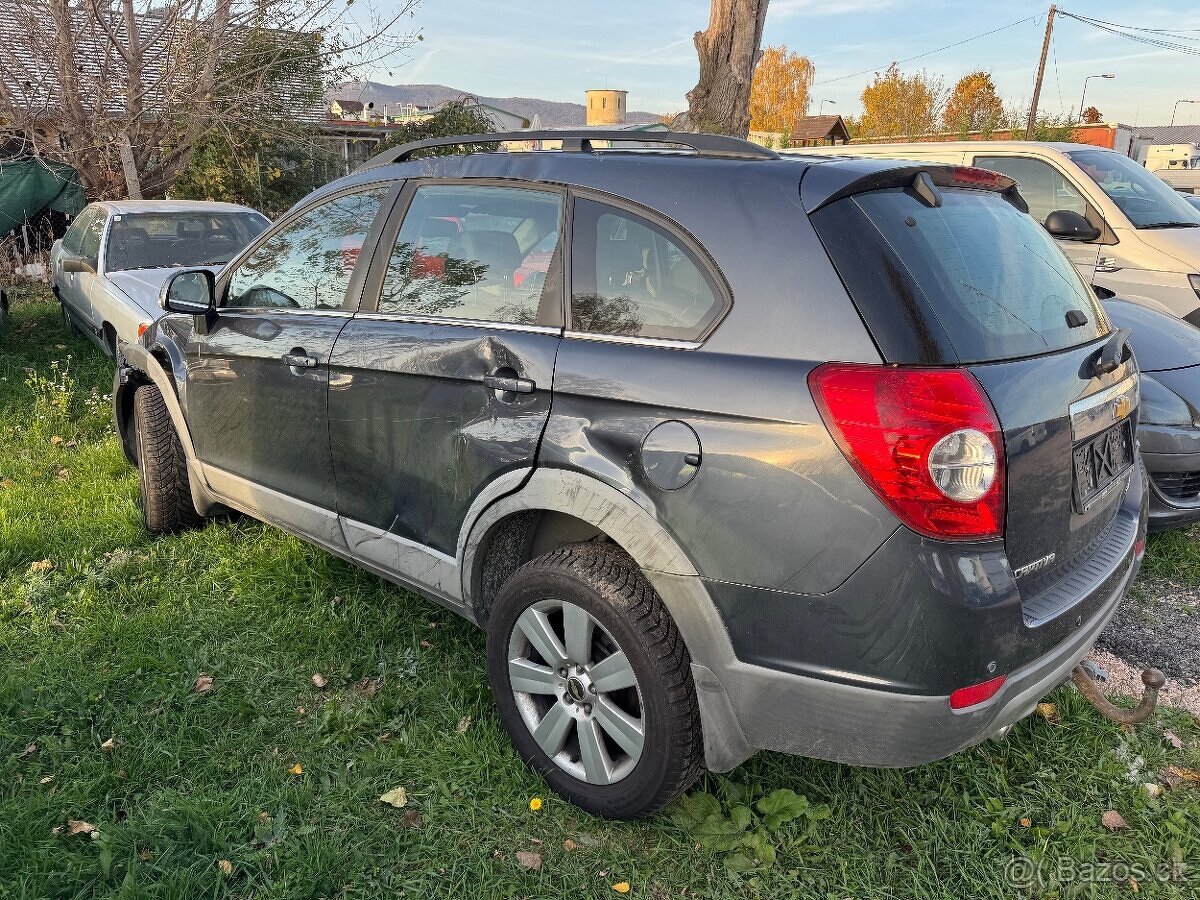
x=1170 y=451
x=840 y=716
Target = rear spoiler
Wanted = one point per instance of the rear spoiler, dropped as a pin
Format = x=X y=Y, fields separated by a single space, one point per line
x=827 y=182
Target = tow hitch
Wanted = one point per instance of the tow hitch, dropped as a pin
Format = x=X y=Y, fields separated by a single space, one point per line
x=1153 y=680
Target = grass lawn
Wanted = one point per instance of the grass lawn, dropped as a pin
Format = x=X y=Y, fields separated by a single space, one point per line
x=265 y=786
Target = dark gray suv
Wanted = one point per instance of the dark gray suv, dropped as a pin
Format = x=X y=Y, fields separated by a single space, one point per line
x=725 y=452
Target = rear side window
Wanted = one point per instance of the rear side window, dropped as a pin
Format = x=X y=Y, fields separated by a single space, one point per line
x=630 y=277
x=974 y=280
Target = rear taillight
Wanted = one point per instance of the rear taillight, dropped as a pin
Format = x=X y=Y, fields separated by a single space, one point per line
x=926 y=441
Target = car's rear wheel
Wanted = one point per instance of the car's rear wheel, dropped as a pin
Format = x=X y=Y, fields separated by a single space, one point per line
x=166 y=490
x=593 y=681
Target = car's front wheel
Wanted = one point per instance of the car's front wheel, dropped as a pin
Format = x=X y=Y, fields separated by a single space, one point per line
x=162 y=466
x=593 y=681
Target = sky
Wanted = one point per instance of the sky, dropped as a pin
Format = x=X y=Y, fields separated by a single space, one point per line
x=557 y=49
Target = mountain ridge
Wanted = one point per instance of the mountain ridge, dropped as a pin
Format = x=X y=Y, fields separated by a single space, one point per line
x=552 y=113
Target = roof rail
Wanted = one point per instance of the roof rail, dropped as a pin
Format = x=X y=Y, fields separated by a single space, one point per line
x=580 y=141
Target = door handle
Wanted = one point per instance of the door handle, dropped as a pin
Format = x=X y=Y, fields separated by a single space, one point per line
x=298 y=359
x=510 y=383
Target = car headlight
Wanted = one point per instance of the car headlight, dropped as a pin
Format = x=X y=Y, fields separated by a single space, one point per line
x=1162 y=406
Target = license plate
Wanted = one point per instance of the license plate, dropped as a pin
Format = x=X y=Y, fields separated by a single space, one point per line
x=1100 y=461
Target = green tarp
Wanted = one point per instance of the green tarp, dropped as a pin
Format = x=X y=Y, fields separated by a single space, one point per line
x=29 y=186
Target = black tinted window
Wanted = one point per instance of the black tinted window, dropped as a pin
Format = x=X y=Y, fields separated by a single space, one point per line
x=973 y=280
x=482 y=253
x=307 y=264
x=161 y=240
x=630 y=277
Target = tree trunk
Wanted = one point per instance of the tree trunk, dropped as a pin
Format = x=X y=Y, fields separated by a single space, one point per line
x=728 y=52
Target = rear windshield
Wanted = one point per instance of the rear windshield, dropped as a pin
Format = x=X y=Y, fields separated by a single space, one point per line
x=163 y=240
x=974 y=280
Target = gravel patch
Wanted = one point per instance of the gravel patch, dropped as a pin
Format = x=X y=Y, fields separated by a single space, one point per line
x=1158 y=625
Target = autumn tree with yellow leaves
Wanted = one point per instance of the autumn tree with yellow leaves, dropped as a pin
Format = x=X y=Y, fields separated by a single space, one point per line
x=973 y=105
x=899 y=105
x=779 y=91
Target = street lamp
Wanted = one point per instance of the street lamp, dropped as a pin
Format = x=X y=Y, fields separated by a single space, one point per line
x=1084 y=97
x=821 y=105
x=1176 y=108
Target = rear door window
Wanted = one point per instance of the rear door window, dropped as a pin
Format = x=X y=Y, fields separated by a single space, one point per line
x=974 y=280
x=631 y=277
x=477 y=253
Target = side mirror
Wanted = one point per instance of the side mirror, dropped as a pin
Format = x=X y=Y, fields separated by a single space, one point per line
x=189 y=292
x=1071 y=226
x=79 y=264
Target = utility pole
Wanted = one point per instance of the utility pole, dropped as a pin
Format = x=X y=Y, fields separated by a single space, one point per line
x=1037 y=84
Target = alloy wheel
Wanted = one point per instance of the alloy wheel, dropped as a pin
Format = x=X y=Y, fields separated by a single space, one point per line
x=576 y=691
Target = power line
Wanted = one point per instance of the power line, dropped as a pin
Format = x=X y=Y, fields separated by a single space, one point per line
x=931 y=52
x=1140 y=38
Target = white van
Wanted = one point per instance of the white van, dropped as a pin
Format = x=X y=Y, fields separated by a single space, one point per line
x=1143 y=242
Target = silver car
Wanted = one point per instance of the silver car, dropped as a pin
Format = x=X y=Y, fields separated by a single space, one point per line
x=108 y=268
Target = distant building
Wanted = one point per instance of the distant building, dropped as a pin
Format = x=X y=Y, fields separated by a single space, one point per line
x=606 y=107
x=809 y=131
x=348 y=110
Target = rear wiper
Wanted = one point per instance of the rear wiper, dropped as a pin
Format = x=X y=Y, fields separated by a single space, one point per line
x=1113 y=353
x=1172 y=225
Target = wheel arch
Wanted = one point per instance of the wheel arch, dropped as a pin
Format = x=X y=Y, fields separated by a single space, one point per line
x=136 y=366
x=555 y=506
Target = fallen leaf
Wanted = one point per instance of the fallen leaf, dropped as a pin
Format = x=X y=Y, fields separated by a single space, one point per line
x=63 y=475
x=300 y=710
x=1191 y=776
x=535 y=804
x=396 y=797
x=1133 y=885
x=318 y=681
x=1173 y=739
x=529 y=859
x=42 y=565
x=1025 y=823
x=120 y=773
x=56 y=440
x=1152 y=789
x=412 y=819
x=297 y=769
x=108 y=745
x=426 y=644
x=71 y=445
x=203 y=683
x=369 y=687
x=27 y=752
x=47 y=779
x=1048 y=711
x=145 y=856
x=1113 y=820
x=225 y=866
x=621 y=887
x=6 y=482
x=78 y=826
x=569 y=845
x=463 y=724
